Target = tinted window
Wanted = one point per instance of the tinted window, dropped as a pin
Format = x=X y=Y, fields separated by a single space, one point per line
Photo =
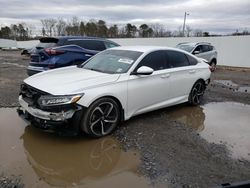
x=204 y=48
x=198 y=48
x=89 y=44
x=177 y=59
x=109 y=44
x=155 y=60
x=47 y=42
x=210 y=48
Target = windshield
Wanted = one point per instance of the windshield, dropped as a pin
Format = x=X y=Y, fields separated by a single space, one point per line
x=112 y=61
x=185 y=47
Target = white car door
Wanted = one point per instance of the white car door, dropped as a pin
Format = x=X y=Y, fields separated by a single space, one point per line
x=183 y=75
x=148 y=92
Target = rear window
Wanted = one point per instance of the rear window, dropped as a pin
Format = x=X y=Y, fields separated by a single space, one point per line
x=47 y=42
x=192 y=61
x=177 y=59
x=88 y=44
x=109 y=44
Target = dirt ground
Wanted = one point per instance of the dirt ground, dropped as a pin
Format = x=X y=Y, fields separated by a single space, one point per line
x=172 y=154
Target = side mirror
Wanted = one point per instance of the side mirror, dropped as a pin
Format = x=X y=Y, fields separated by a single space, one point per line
x=143 y=70
x=196 y=52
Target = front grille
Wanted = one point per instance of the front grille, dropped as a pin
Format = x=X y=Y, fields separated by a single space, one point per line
x=31 y=95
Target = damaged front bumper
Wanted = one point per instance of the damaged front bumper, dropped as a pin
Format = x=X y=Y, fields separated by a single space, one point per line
x=53 y=116
x=61 y=121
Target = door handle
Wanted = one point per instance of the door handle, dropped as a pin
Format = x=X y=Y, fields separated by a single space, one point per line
x=192 y=71
x=165 y=76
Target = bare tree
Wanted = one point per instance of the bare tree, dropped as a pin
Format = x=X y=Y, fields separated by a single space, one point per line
x=31 y=29
x=188 y=30
x=82 y=28
x=197 y=33
x=159 y=30
x=48 y=25
x=60 y=26
x=113 y=31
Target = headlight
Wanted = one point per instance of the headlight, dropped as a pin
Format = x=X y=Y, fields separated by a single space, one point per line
x=50 y=100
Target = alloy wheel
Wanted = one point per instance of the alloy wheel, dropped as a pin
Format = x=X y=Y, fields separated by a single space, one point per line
x=103 y=119
x=197 y=93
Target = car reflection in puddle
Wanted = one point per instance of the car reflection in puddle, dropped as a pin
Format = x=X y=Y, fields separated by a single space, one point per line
x=63 y=161
x=48 y=160
x=191 y=116
x=225 y=122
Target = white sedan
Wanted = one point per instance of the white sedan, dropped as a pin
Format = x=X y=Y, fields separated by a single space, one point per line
x=113 y=86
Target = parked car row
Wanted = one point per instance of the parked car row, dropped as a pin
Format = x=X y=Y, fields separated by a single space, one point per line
x=56 y=52
x=111 y=86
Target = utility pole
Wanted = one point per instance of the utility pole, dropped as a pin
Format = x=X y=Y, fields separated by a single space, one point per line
x=184 y=24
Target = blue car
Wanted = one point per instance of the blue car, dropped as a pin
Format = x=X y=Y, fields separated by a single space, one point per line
x=55 y=52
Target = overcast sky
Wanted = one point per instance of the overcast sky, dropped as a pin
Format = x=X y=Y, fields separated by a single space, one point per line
x=215 y=16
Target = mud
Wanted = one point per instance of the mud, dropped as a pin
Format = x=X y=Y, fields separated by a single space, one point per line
x=47 y=160
x=12 y=72
x=181 y=146
x=232 y=86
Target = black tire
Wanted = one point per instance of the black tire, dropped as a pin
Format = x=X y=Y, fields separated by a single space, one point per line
x=196 y=93
x=101 y=118
x=213 y=65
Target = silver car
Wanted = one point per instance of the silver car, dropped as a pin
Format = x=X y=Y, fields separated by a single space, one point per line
x=202 y=50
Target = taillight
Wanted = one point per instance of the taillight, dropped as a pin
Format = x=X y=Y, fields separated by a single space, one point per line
x=210 y=68
x=51 y=66
x=53 y=51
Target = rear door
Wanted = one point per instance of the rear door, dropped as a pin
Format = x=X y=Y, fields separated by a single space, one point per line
x=147 y=92
x=204 y=52
x=182 y=74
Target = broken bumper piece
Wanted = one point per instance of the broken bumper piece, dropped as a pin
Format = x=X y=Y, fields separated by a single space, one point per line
x=63 y=122
x=52 y=116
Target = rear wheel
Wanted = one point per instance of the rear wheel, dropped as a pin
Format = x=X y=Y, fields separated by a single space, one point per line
x=101 y=118
x=196 y=93
x=213 y=65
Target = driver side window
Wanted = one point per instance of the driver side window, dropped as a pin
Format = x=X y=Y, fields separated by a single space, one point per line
x=198 y=48
x=155 y=60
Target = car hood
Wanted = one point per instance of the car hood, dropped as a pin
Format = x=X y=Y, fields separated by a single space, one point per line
x=69 y=80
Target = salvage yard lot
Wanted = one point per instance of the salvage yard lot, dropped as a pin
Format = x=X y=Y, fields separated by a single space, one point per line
x=180 y=146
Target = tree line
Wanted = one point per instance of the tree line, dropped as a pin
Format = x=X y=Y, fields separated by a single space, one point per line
x=98 y=28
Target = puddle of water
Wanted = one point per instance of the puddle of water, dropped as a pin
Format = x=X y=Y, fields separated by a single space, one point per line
x=47 y=160
x=225 y=122
x=231 y=85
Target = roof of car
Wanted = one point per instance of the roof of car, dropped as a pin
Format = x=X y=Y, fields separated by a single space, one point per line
x=144 y=48
x=193 y=43
x=78 y=37
x=75 y=37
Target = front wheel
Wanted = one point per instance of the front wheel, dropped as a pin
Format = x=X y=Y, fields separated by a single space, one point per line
x=196 y=93
x=101 y=118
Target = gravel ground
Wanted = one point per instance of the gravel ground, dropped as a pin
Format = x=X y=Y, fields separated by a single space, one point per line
x=171 y=153
x=10 y=181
